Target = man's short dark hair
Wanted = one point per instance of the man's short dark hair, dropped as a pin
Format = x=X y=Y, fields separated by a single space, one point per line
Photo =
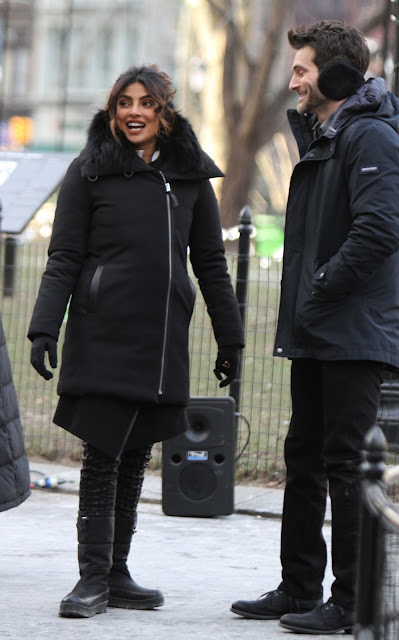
x=332 y=40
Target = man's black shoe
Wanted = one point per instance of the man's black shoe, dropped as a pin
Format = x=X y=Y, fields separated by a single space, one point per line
x=272 y=605
x=324 y=620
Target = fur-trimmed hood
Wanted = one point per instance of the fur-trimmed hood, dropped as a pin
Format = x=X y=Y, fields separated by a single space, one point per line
x=181 y=153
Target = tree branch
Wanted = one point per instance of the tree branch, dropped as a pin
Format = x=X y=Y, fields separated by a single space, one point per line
x=229 y=23
x=372 y=22
x=220 y=10
x=260 y=80
x=274 y=115
x=229 y=79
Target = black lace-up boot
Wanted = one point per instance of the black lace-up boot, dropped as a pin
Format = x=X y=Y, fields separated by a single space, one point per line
x=96 y=524
x=124 y=591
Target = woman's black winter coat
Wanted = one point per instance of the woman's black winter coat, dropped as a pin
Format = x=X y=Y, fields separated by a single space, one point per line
x=340 y=285
x=119 y=248
x=14 y=466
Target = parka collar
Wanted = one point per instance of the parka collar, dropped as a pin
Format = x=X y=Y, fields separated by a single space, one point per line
x=181 y=153
x=372 y=98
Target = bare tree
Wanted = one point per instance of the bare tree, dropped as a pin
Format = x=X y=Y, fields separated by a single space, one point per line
x=252 y=120
x=254 y=90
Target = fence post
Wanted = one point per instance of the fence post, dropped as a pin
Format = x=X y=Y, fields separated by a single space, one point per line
x=369 y=555
x=245 y=230
x=388 y=414
x=10 y=253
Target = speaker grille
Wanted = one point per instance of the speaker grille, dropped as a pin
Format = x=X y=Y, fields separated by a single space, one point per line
x=198 y=481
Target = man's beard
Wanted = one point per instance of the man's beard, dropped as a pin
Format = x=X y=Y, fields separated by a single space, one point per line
x=313 y=101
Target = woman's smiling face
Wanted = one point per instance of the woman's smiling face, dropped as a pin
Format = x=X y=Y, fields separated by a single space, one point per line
x=137 y=118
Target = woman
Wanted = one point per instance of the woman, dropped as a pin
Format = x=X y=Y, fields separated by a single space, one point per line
x=130 y=205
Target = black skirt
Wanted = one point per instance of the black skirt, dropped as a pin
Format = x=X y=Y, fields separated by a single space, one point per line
x=114 y=425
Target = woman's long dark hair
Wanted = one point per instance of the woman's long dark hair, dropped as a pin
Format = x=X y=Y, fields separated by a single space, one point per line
x=160 y=88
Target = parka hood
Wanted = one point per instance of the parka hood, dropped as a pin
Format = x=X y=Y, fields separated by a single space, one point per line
x=373 y=98
x=181 y=153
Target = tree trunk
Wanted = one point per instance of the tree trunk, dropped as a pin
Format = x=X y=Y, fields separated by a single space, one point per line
x=253 y=114
x=240 y=171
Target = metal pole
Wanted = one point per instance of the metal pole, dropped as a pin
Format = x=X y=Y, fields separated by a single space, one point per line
x=245 y=230
x=385 y=42
x=10 y=253
x=5 y=50
x=65 y=72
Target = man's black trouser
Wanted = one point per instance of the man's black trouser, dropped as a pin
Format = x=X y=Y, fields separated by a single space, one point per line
x=334 y=404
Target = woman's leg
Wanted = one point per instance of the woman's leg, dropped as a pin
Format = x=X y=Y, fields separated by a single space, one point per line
x=124 y=592
x=95 y=525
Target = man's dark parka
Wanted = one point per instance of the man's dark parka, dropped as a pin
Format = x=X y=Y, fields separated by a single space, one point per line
x=340 y=284
x=119 y=249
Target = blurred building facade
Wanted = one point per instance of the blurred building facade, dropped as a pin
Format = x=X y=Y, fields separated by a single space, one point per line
x=59 y=58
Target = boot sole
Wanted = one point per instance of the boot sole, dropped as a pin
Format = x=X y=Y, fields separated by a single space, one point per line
x=122 y=603
x=80 y=611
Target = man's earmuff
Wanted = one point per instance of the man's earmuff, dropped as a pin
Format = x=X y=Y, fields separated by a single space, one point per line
x=339 y=80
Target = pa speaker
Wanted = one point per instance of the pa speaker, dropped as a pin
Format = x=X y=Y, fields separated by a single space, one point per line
x=198 y=465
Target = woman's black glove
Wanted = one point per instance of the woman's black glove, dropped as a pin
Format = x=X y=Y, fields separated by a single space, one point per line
x=40 y=344
x=227 y=364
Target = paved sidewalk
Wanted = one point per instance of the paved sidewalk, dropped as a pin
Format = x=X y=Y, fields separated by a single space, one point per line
x=201 y=565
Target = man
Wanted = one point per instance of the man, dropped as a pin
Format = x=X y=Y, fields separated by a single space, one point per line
x=339 y=315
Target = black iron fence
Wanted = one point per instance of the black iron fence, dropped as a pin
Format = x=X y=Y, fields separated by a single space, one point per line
x=262 y=394
x=377 y=611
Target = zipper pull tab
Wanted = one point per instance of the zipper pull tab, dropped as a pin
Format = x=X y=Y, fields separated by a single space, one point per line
x=170 y=193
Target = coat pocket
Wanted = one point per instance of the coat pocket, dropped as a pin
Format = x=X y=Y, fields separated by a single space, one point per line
x=85 y=296
x=94 y=289
x=315 y=320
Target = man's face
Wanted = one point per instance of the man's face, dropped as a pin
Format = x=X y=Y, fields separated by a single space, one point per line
x=304 y=82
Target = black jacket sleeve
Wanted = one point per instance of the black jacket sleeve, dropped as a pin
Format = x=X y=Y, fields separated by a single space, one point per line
x=372 y=167
x=67 y=250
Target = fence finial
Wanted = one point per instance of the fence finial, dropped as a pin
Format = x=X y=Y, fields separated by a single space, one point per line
x=374 y=453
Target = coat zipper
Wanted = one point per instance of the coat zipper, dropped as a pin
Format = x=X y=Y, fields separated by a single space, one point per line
x=168 y=192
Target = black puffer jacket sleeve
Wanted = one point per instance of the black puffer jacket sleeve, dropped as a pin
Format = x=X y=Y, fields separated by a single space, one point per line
x=14 y=465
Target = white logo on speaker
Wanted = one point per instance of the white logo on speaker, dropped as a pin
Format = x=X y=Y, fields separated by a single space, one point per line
x=197 y=455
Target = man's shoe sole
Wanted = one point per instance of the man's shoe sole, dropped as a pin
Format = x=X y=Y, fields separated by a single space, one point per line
x=316 y=632
x=255 y=616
